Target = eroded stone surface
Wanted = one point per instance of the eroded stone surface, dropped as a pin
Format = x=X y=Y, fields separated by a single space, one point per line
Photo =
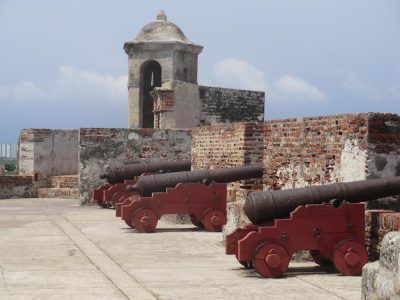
x=381 y=279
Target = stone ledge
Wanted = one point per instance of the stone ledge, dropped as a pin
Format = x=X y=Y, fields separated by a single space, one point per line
x=64 y=181
x=17 y=186
x=58 y=193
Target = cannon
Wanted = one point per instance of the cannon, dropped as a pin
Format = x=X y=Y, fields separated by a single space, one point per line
x=326 y=220
x=129 y=171
x=147 y=185
x=268 y=205
x=119 y=178
x=201 y=194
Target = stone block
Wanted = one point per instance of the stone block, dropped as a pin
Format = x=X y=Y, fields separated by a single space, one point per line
x=235 y=217
x=17 y=187
x=381 y=279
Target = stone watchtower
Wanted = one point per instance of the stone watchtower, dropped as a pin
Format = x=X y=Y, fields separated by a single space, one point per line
x=161 y=56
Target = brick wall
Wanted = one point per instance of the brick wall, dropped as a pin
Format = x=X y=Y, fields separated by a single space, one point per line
x=163 y=107
x=377 y=224
x=100 y=147
x=315 y=150
x=228 y=145
x=383 y=159
x=17 y=187
x=327 y=149
x=221 y=105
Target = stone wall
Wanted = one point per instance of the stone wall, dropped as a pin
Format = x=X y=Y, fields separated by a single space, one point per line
x=17 y=187
x=100 y=147
x=381 y=279
x=229 y=145
x=221 y=105
x=48 y=152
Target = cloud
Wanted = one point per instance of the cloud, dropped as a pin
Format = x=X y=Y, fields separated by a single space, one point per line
x=27 y=90
x=239 y=74
x=236 y=73
x=89 y=82
x=356 y=86
x=297 y=90
x=70 y=83
x=395 y=91
x=24 y=90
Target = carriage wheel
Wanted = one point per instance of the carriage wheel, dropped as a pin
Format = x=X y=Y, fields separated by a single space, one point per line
x=270 y=259
x=145 y=220
x=349 y=257
x=246 y=264
x=129 y=223
x=319 y=259
x=213 y=220
x=196 y=222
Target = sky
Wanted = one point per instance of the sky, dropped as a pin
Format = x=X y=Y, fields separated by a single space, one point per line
x=62 y=63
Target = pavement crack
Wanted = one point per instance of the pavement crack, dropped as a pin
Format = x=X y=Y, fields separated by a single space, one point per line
x=109 y=268
x=4 y=280
x=319 y=287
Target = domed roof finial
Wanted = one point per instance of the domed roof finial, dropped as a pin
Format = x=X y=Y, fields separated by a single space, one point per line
x=161 y=16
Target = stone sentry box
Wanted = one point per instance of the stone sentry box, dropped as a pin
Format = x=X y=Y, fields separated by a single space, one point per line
x=162 y=84
x=161 y=55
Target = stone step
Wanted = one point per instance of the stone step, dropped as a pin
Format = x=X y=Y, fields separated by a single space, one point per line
x=58 y=193
x=64 y=181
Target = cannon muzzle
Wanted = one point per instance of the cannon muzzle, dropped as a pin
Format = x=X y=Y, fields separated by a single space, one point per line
x=147 y=185
x=129 y=171
x=268 y=205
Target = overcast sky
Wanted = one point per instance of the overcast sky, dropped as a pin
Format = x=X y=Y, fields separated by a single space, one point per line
x=62 y=64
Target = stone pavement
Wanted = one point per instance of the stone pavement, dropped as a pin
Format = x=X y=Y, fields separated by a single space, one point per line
x=56 y=249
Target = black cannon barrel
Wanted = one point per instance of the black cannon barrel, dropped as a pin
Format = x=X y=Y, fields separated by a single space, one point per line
x=268 y=205
x=147 y=185
x=118 y=174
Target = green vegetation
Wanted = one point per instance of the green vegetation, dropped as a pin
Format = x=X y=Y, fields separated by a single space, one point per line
x=10 y=165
